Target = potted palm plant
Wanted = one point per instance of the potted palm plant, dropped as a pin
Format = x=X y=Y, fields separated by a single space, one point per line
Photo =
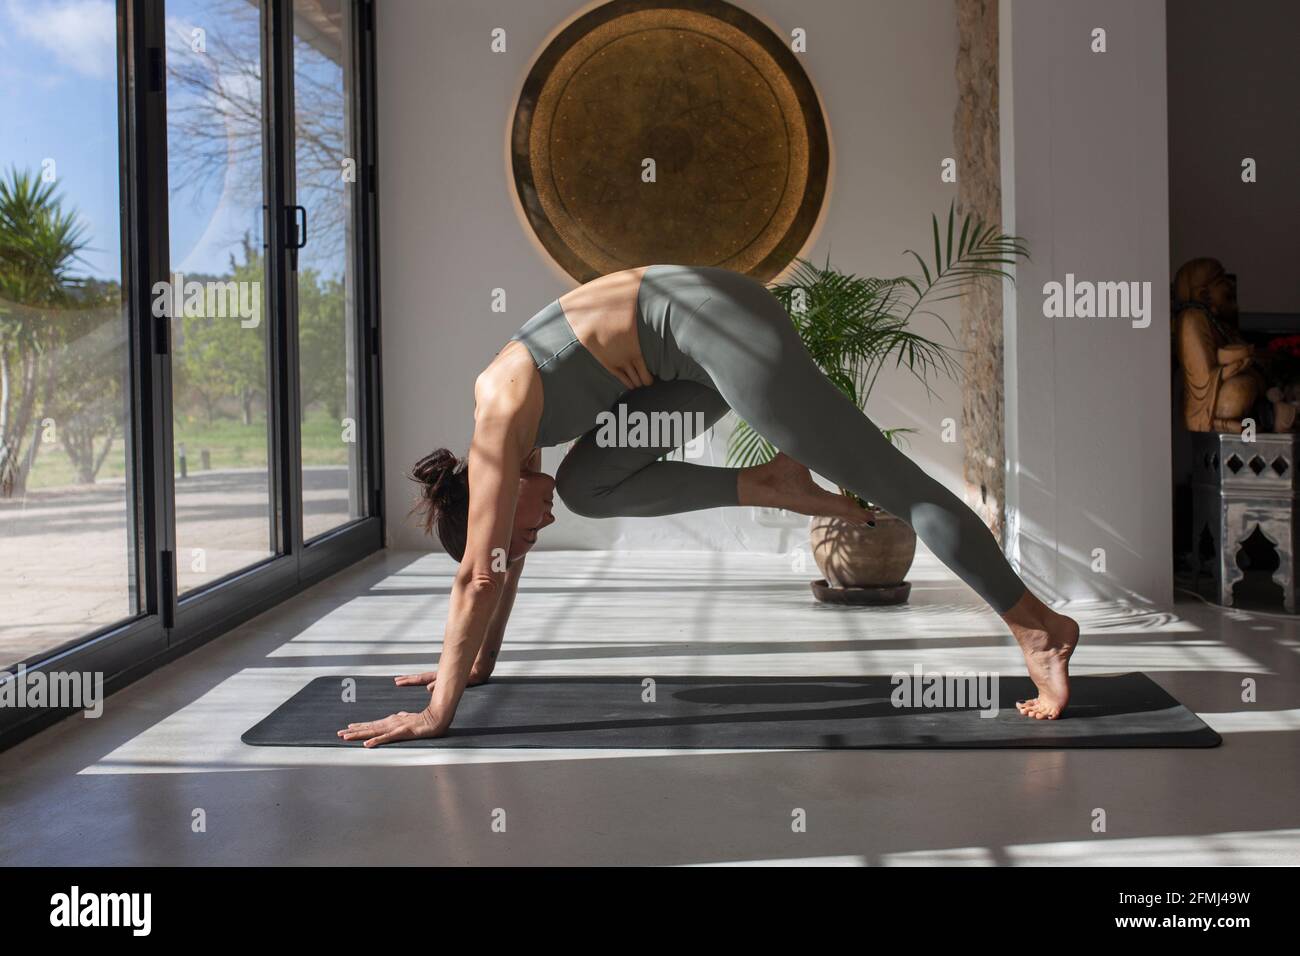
x=853 y=327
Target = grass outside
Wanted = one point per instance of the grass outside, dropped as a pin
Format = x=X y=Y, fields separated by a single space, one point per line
x=229 y=443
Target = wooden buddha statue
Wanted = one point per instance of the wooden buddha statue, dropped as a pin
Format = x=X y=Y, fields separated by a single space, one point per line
x=1221 y=381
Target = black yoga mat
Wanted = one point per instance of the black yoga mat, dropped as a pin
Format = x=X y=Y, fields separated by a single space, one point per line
x=777 y=713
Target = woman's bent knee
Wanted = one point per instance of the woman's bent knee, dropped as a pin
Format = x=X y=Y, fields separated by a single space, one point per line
x=577 y=492
x=585 y=503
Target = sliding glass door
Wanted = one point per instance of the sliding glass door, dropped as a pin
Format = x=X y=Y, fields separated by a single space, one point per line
x=326 y=179
x=189 y=392
x=66 y=539
x=219 y=357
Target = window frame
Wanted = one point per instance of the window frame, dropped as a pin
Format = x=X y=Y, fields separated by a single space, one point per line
x=166 y=626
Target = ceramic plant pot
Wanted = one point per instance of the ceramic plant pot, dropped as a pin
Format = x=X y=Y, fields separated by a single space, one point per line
x=865 y=563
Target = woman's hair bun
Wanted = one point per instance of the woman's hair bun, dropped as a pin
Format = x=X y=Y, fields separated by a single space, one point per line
x=444 y=485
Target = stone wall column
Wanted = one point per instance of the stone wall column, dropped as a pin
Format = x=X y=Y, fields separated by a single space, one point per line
x=979 y=192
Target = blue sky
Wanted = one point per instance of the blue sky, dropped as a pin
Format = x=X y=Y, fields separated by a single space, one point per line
x=58 y=101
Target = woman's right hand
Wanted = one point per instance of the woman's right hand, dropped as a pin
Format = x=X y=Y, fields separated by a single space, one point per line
x=395 y=727
x=427 y=679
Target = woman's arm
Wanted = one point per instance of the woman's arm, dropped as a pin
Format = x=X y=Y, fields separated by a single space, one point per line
x=495 y=459
x=476 y=592
x=487 y=655
x=486 y=660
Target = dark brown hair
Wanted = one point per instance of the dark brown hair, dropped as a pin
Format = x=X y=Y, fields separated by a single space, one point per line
x=444 y=498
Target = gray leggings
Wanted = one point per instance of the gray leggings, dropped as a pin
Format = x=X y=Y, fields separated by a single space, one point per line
x=731 y=345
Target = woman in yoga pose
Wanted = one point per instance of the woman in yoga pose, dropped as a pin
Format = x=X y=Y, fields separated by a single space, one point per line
x=687 y=339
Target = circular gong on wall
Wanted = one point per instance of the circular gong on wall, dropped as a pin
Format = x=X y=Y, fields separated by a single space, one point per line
x=684 y=133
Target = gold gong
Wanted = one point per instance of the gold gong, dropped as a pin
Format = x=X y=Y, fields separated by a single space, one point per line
x=684 y=133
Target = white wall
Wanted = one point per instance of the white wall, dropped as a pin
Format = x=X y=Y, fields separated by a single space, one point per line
x=451 y=230
x=1085 y=178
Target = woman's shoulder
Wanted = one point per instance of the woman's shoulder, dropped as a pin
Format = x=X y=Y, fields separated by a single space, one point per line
x=510 y=372
x=509 y=390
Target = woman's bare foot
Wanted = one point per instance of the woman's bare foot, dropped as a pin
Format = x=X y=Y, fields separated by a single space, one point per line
x=1047 y=640
x=784 y=483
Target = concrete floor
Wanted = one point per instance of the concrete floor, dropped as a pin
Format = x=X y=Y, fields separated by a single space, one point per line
x=126 y=788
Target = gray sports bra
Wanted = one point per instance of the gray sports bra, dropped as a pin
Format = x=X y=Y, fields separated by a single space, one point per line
x=576 y=387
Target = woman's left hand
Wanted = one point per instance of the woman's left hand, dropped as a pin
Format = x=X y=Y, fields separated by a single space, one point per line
x=399 y=726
